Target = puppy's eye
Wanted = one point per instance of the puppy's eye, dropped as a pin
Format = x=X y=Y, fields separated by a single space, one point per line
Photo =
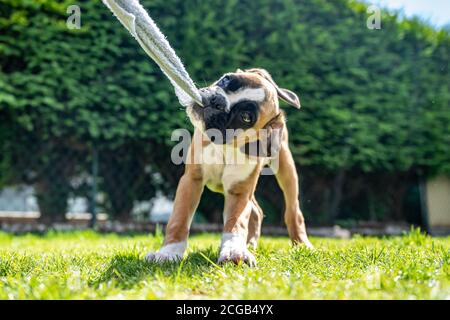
x=224 y=82
x=230 y=83
x=246 y=117
x=243 y=115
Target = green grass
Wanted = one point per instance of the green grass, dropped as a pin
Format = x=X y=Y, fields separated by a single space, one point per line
x=87 y=265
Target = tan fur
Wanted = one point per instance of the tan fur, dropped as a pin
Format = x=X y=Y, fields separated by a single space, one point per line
x=242 y=214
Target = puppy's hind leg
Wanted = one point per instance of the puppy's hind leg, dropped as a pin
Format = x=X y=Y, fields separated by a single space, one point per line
x=288 y=180
x=254 y=224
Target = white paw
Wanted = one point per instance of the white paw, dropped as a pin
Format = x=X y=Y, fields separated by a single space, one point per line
x=162 y=257
x=234 y=249
x=168 y=253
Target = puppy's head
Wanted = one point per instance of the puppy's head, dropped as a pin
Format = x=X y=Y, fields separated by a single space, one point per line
x=238 y=102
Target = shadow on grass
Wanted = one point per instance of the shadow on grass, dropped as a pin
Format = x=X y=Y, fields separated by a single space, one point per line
x=127 y=270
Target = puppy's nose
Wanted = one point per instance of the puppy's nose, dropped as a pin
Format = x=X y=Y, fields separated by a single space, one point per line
x=213 y=99
x=219 y=102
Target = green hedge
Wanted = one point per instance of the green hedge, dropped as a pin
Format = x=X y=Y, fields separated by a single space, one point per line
x=373 y=100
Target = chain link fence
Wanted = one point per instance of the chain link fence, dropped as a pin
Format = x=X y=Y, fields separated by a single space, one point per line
x=94 y=183
x=49 y=183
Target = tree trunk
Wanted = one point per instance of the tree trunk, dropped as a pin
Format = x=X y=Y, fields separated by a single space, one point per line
x=52 y=194
x=371 y=200
x=398 y=200
x=336 y=199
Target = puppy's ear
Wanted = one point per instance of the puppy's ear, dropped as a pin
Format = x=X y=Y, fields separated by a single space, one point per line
x=284 y=94
x=275 y=130
x=274 y=138
x=239 y=71
x=289 y=97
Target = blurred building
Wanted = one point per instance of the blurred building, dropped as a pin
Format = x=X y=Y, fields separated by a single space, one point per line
x=436 y=200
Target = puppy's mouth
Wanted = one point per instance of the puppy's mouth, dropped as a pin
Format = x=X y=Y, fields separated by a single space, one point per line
x=220 y=126
x=195 y=114
x=211 y=121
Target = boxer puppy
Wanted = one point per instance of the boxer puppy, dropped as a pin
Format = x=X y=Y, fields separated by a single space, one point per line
x=240 y=130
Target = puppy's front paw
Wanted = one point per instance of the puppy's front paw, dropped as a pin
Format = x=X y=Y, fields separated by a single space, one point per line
x=161 y=257
x=237 y=256
x=234 y=249
x=168 y=253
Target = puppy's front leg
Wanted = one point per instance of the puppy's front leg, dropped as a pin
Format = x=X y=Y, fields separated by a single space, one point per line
x=237 y=211
x=234 y=238
x=188 y=196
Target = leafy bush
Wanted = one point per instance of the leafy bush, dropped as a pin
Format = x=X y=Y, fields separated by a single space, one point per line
x=374 y=101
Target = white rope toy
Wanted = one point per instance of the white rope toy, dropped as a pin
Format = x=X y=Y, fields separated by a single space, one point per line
x=137 y=21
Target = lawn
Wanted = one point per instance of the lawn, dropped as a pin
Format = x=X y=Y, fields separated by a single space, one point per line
x=87 y=265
